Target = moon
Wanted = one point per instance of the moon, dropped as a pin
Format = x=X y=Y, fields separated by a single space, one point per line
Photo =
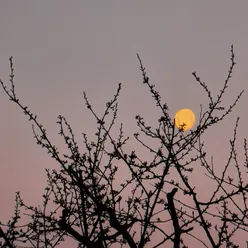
x=184 y=119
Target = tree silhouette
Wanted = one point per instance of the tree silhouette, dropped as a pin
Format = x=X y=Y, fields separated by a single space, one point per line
x=156 y=205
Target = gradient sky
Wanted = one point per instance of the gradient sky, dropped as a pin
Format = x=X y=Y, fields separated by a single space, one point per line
x=61 y=48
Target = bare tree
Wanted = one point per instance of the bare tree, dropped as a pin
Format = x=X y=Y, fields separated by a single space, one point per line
x=160 y=210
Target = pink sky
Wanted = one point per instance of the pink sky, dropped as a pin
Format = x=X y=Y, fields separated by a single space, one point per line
x=62 y=48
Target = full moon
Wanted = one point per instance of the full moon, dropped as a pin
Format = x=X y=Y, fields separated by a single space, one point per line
x=184 y=119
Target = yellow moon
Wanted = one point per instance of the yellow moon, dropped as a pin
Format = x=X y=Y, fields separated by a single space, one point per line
x=184 y=119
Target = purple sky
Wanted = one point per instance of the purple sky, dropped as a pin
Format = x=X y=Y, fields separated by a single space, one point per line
x=62 y=48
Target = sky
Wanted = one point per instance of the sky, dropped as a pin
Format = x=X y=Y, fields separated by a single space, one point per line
x=61 y=48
